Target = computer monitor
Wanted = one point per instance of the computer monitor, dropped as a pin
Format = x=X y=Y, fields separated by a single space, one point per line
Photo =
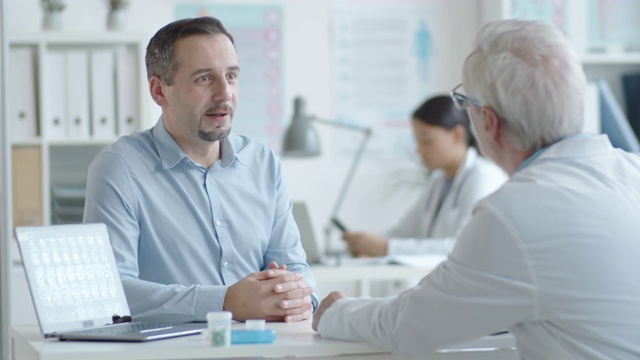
x=614 y=121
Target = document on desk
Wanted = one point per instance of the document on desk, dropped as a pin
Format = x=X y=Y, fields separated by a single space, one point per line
x=407 y=260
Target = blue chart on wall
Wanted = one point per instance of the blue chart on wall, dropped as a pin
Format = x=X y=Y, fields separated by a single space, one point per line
x=258 y=33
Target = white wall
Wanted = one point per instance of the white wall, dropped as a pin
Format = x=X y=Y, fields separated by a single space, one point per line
x=382 y=189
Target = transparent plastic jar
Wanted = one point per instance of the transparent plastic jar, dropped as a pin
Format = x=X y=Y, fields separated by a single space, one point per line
x=219 y=328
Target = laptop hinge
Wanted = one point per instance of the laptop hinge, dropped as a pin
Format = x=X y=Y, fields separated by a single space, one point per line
x=117 y=319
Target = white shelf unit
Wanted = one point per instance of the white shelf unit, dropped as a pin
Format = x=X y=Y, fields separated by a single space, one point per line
x=117 y=88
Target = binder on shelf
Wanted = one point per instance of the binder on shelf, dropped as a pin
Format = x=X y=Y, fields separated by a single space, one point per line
x=68 y=194
x=102 y=83
x=22 y=93
x=26 y=171
x=54 y=98
x=67 y=203
x=127 y=90
x=592 y=123
x=77 y=94
x=66 y=215
x=614 y=121
x=631 y=87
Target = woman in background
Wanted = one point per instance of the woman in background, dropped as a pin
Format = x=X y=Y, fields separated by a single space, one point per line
x=459 y=178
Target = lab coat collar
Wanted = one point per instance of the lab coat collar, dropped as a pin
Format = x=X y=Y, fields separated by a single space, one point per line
x=581 y=145
x=469 y=161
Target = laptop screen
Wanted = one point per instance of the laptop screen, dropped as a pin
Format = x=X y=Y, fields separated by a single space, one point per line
x=311 y=246
x=72 y=276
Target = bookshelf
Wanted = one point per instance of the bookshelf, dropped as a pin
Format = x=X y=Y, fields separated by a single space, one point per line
x=74 y=93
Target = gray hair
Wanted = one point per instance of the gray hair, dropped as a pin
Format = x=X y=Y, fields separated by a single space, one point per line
x=160 y=57
x=529 y=74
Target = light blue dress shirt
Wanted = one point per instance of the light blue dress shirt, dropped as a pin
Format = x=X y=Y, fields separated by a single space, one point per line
x=183 y=233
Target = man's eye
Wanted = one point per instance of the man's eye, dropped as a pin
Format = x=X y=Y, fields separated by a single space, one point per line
x=204 y=78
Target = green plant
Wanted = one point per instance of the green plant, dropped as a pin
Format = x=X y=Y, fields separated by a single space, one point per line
x=53 y=5
x=118 y=4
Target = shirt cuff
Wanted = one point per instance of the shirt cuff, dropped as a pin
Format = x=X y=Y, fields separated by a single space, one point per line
x=209 y=298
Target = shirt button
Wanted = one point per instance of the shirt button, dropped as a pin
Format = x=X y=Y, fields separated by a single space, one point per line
x=217 y=222
x=225 y=264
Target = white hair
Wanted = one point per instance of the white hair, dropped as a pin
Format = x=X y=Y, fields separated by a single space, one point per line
x=529 y=74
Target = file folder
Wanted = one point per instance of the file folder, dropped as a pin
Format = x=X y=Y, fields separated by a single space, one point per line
x=631 y=87
x=592 y=123
x=614 y=121
x=127 y=90
x=103 y=104
x=54 y=102
x=22 y=93
x=77 y=80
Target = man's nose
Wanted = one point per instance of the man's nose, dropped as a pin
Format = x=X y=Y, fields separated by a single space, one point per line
x=223 y=91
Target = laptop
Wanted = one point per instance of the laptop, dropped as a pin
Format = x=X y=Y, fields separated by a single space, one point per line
x=316 y=255
x=313 y=248
x=76 y=288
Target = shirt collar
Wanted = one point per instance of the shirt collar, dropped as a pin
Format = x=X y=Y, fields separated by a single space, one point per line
x=171 y=154
x=228 y=151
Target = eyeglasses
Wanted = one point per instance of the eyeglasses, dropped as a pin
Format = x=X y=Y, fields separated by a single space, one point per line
x=462 y=101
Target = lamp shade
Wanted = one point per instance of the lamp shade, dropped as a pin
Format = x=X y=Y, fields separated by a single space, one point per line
x=301 y=138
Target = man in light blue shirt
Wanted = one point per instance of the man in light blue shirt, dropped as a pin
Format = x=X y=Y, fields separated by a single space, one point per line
x=199 y=218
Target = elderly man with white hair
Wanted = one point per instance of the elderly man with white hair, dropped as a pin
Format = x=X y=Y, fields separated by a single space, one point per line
x=554 y=254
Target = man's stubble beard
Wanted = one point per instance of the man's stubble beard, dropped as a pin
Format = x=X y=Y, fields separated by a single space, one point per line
x=212 y=136
x=216 y=134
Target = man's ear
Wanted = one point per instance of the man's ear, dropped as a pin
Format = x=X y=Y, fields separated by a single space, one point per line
x=491 y=122
x=157 y=89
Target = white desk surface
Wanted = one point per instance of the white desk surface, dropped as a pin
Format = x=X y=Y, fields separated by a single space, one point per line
x=352 y=272
x=363 y=273
x=292 y=340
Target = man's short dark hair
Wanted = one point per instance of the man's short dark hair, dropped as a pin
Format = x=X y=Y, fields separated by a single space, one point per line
x=160 y=58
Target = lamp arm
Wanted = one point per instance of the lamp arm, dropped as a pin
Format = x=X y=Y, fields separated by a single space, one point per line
x=352 y=169
x=341 y=125
x=354 y=163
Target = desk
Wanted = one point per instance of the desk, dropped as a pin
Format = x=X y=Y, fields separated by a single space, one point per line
x=363 y=273
x=292 y=340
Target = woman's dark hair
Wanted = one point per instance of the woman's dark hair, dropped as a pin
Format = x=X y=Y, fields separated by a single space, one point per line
x=160 y=57
x=440 y=111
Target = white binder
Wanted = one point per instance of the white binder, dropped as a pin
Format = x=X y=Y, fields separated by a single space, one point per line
x=102 y=80
x=54 y=114
x=592 y=109
x=127 y=90
x=77 y=76
x=22 y=93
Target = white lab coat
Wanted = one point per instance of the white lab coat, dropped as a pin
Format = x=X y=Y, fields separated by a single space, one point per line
x=476 y=178
x=553 y=256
